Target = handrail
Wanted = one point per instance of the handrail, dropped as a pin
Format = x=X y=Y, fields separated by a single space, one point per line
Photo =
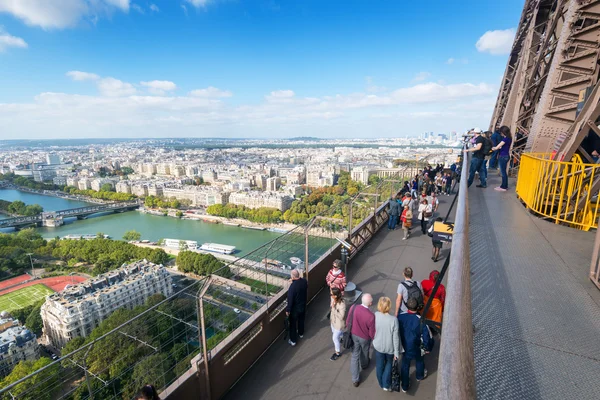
x=456 y=368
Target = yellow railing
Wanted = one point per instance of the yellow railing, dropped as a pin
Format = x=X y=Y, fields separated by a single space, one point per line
x=560 y=190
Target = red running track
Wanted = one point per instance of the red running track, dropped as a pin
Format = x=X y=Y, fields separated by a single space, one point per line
x=14 y=281
x=56 y=283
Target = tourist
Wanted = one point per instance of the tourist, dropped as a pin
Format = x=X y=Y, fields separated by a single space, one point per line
x=394 y=210
x=448 y=184
x=439 y=182
x=408 y=289
x=337 y=319
x=335 y=277
x=406 y=221
x=435 y=202
x=416 y=341
x=406 y=187
x=477 y=160
x=496 y=138
x=503 y=149
x=425 y=212
x=414 y=186
x=296 y=306
x=437 y=244
x=363 y=332
x=148 y=392
x=386 y=343
x=436 y=308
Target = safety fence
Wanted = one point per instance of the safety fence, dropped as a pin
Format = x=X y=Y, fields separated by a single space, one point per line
x=561 y=191
x=456 y=366
x=197 y=342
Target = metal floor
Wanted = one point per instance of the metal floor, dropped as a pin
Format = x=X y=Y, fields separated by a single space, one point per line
x=536 y=315
x=305 y=371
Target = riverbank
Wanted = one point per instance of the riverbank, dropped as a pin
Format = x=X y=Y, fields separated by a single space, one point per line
x=57 y=193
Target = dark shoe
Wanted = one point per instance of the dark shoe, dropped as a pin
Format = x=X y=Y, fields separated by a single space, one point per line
x=481 y=186
x=356 y=384
x=335 y=356
x=432 y=258
x=435 y=260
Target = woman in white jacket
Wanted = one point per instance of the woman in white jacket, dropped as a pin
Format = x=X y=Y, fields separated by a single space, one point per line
x=425 y=212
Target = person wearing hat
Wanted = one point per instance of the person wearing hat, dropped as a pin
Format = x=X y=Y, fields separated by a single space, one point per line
x=478 y=160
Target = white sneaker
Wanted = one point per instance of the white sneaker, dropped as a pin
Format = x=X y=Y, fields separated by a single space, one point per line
x=403 y=238
x=424 y=376
x=301 y=336
x=386 y=390
x=291 y=343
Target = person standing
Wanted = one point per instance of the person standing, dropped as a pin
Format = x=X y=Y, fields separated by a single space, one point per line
x=477 y=160
x=414 y=190
x=425 y=212
x=503 y=149
x=496 y=138
x=338 y=321
x=437 y=244
x=386 y=342
x=335 y=277
x=296 y=306
x=416 y=341
x=436 y=308
x=406 y=221
x=406 y=290
x=394 y=210
x=363 y=332
x=448 y=184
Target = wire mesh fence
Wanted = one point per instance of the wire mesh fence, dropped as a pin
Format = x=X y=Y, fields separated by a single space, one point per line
x=155 y=343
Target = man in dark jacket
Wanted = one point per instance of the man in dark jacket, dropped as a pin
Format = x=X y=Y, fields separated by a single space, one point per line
x=296 y=306
x=413 y=336
x=394 y=213
x=496 y=138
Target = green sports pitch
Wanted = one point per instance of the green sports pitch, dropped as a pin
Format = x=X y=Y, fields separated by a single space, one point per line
x=24 y=297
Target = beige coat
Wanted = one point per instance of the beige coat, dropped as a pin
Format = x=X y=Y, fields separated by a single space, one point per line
x=338 y=316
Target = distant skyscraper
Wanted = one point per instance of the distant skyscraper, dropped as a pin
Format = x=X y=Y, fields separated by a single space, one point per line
x=52 y=159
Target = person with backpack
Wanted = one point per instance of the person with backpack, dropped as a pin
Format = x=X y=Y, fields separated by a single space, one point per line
x=480 y=149
x=416 y=340
x=408 y=289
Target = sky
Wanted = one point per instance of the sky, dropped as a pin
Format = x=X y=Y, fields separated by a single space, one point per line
x=250 y=68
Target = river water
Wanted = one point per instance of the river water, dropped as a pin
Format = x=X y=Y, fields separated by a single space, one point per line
x=151 y=227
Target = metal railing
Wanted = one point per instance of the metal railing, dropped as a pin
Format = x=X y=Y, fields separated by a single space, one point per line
x=456 y=367
x=236 y=312
x=561 y=191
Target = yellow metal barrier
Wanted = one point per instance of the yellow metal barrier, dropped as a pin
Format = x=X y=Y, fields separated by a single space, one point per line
x=560 y=191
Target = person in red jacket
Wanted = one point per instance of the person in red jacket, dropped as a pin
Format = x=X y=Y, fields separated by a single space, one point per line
x=336 y=277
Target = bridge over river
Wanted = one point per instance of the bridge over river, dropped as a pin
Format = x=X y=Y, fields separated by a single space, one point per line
x=52 y=217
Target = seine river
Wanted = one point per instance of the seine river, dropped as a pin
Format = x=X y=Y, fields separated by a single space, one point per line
x=150 y=226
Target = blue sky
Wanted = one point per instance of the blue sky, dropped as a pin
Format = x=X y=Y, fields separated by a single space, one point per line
x=253 y=68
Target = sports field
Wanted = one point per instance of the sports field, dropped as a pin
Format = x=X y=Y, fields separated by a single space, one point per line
x=23 y=297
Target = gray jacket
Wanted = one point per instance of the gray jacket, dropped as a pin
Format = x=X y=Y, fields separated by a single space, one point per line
x=387 y=336
x=394 y=208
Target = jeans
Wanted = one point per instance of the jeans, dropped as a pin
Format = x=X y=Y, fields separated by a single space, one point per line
x=503 y=161
x=476 y=166
x=337 y=337
x=413 y=192
x=392 y=222
x=383 y=368
x=494 y=160
x=360 y=357
x=405 y=368
x=423 y=226
x=296 y=325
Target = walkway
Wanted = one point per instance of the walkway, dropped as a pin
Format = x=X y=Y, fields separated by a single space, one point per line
x=536 y=314
x=305 y=371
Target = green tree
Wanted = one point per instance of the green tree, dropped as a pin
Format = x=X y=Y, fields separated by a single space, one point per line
x=179 y=214
x=127 y=170
x=34 y=321
x=41 y=386
x=100 y=235
x=132 y=235
x=107 y=187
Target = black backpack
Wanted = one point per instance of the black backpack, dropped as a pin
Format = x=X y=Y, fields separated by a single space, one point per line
x=486 y=147
x=414 y=292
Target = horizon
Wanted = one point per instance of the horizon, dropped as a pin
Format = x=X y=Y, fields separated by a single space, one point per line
x=263 y=69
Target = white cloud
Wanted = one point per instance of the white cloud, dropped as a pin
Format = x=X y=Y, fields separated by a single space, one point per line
x=421 y=76
x=198 y=3
x=54 y=14
x=121 y=110
x=450 y=61
x=7 y=40
x=497 y=42
x=154 y=7
x=138 y=8
x=112 y=87
x=211 y=92
x=82 y=76
x=159 y=87
x=184 y=8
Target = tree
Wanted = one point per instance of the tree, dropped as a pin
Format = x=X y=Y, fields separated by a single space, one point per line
x=107 y=187
x=41 y=386
x=34 y=321
x=127 y=170
x=179 y=214
x=100 y=235
x=132 y=235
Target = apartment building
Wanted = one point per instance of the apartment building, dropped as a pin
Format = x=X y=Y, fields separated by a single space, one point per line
x=84 y=184
x=123 y=187
x=78 y=309
x=262 y=199
x=17 y=343
x=73 y=181
x=273 y=183
x=198 y=195
x=98 y=183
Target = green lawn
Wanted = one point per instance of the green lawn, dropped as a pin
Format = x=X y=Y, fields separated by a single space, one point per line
x=23 y=297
